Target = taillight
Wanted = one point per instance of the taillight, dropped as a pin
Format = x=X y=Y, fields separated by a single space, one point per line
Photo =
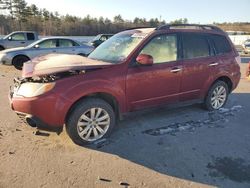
x=238 y=59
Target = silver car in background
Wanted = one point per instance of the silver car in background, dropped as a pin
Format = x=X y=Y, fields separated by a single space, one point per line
x=61 y=45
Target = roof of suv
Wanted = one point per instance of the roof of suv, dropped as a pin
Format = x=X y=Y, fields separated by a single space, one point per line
x=209 y=28
x=190 y=26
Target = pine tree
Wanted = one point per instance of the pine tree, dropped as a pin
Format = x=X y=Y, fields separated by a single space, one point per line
x=8 y=6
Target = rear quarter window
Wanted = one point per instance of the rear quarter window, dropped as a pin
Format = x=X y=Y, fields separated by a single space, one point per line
x=221 y=44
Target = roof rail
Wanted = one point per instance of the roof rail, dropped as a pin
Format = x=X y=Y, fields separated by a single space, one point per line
x=137 y=28
x=198 y=26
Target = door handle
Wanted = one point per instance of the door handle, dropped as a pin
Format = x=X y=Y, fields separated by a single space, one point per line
x=213 y=64
x=175 y=70
x=22 y=42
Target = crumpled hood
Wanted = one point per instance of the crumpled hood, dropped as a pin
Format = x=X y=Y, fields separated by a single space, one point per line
x=56 y=63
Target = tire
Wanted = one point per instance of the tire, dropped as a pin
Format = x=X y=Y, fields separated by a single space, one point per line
x=83 y=129
x=213 y=102
x=2 y=48
x=18 y=61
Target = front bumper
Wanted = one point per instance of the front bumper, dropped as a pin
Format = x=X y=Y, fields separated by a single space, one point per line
x=5 y=59
x=38 y=123
x=47 y=110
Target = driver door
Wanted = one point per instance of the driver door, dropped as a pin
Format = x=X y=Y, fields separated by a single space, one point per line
x=16 y=40
x=157 y=84
x=44 y=47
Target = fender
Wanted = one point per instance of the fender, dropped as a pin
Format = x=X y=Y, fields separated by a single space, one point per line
x=74 y=92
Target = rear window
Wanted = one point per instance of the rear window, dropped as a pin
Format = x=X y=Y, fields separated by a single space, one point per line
x=221 y=44
x=30 y=36
x=195 y=46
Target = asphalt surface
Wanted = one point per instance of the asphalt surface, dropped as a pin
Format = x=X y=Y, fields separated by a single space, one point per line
x=165 y=147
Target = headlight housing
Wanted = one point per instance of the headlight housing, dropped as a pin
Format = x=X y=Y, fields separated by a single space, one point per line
x=34 y=89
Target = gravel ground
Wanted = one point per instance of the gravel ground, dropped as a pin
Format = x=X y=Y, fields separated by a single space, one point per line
x=165 y=147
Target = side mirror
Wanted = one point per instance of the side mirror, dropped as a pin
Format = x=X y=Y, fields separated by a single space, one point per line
x=36 y=46
x=9 y=38
x=145 y=59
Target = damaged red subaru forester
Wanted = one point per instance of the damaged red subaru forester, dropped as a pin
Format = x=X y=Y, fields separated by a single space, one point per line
x=134 y=69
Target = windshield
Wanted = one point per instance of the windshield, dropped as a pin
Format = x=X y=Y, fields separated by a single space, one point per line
x=7 y=36
x=118 y=47
x=96 y=38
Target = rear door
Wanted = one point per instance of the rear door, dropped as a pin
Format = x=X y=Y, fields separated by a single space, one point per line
x=159 y=83
x=198 y=59
x=67 y=46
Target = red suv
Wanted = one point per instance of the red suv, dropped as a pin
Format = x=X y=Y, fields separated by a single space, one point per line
x=134 y=69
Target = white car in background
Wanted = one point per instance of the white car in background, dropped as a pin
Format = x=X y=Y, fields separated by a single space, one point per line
x=246 y=46
x=52 y=45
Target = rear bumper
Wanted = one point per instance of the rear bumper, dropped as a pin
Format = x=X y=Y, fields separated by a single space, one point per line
x=236 y=80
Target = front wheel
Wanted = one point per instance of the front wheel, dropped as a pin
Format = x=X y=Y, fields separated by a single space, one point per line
x=217 y=96
x=90 y=120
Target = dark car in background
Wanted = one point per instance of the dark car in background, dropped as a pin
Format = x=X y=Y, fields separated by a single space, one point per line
x=135 y=69
x=99 y=39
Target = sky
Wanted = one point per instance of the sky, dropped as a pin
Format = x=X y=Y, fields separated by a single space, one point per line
x=196 y=11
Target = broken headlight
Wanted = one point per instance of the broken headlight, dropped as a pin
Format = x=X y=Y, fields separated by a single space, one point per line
x=34 y=89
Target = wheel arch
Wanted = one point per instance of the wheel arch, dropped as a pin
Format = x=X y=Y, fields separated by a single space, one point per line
x=1 y=46
x=227 y=80
x=19 y=55
x=110 y=99
x=209 y=84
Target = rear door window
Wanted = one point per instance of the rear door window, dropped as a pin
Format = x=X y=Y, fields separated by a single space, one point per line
x=195 y=46
x=30 y=36
x=221 y=44
x=63 y=43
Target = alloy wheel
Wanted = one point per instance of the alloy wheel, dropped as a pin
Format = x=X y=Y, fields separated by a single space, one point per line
x=219 y=97
x=93 y=124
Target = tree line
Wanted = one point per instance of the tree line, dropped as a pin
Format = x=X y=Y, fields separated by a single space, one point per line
x=18 y=15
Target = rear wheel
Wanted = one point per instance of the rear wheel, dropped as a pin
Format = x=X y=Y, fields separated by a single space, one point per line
x=18 y=61
x=217 y=96
x=90 y=120
x=1 y=48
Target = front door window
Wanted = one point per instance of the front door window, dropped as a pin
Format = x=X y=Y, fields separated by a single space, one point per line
x=162 y=48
